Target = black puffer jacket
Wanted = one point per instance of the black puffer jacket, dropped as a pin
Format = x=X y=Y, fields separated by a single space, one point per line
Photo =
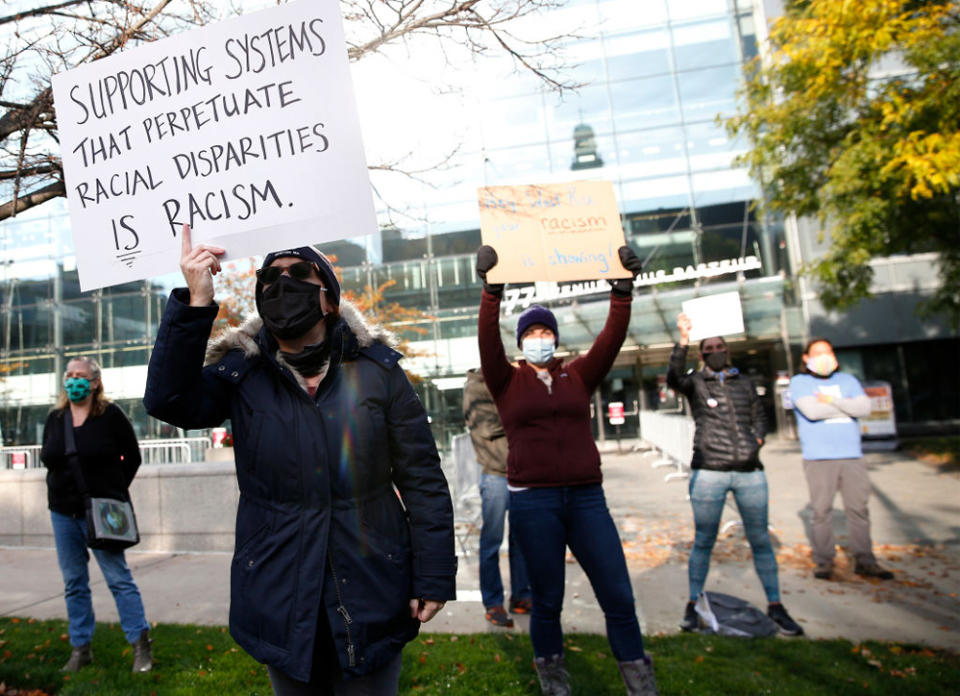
x=728 y=414
x=321 y=532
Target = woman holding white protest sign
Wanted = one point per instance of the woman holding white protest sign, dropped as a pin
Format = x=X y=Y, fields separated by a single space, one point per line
x=553 y=474
x=344 y=533
x=730 y=430
x=101 y=463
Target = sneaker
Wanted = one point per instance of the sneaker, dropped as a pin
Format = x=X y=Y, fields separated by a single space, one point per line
x=788 y=626
x=498 y=617
x=871 y=569
x=520 y=606
x=823 y=571
x=691 y=619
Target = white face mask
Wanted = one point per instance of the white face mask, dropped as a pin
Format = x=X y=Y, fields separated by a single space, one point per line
x=538 y=351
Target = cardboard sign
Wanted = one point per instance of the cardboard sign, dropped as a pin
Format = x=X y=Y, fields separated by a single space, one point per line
x=552 y=232
x=714 y=315
x=247 y=130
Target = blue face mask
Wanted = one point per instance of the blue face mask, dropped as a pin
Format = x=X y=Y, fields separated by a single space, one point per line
x=538 y=351
x=77 y=388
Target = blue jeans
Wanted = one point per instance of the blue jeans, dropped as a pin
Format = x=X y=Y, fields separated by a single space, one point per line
x=495 y=501
x=70 y=536
x=708 y=492
x=545 y=521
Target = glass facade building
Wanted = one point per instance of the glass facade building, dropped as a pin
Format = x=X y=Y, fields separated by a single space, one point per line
x=653 y=76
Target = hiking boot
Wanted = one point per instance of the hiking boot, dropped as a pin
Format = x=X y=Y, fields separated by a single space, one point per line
x=498 y=616
x=520 y=606
x=142 y=654
x=871 y=569
x=691 y=619
x=638 y=677
x=788 y=626
x=80 y=656
x=823 y=571
x=552 y=673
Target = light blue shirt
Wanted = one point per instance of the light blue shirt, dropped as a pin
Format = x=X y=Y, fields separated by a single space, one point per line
x=830 y=438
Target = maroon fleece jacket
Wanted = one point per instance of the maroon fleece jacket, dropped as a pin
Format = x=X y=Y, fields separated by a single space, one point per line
x=548 y=432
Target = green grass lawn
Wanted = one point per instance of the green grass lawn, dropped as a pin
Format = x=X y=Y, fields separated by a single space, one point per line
x=205 y=660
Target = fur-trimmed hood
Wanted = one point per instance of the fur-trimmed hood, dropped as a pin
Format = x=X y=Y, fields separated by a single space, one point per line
x=245 y=335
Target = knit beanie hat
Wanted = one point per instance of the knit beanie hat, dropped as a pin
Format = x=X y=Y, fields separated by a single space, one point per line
x=308 y=253
x=536 y=314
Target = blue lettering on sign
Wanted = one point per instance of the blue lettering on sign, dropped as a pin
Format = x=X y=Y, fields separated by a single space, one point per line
x=500 y=203
x=558 y=258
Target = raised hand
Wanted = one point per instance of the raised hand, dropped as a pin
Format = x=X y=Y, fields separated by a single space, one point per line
x=624 y=286
x=199 y=264
x=684 y=325
x=487 y=259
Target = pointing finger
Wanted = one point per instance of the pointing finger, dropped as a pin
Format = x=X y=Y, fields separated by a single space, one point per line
x=185 y=244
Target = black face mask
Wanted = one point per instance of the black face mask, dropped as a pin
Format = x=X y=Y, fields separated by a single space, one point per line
x=310 y=360
x=716 y=360
x=290 y=307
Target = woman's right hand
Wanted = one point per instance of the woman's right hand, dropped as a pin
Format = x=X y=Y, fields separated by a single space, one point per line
x=684 y=325
x=199 y=264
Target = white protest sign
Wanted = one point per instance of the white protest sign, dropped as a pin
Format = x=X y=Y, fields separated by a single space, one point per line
x=714 y=315
x=247 y=130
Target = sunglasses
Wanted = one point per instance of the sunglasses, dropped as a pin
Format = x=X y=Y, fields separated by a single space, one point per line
x=300 y=271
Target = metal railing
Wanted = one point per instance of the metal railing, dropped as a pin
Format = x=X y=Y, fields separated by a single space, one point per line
x=182 y=450
x=672 y=436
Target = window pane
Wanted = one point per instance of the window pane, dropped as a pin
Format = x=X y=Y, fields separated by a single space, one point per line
x=704 y=44
x=649 y=102
x=706 y=93
x=638 y=55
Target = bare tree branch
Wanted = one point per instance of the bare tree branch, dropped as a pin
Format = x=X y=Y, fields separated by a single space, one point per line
x=62 y=35
x=35 y=198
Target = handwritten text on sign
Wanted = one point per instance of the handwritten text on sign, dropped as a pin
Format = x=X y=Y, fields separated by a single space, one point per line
x=555 y=232
x=247 y=130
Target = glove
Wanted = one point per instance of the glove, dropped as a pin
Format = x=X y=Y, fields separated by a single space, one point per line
x=623 y=287
x=487 y=259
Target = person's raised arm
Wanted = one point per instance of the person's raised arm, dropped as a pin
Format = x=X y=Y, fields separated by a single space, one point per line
x=597 y=362
x=496 y=369
x=178 y=390
x=677 y=377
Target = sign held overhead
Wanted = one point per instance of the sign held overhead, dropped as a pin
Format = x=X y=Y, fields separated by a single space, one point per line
x=246 y=130
x=554 y=232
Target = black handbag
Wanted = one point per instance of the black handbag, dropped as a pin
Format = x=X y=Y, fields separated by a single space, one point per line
x=111 y=523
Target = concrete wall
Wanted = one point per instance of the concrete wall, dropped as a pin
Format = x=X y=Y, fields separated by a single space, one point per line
x=180 y=507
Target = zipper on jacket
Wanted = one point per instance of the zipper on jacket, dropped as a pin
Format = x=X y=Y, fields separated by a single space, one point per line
x=342 y=610
x=733 y=423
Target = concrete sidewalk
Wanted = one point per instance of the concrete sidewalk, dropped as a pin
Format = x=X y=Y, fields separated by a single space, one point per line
x=916 y=531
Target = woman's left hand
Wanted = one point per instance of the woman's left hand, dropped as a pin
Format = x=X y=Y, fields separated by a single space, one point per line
x=425 y=609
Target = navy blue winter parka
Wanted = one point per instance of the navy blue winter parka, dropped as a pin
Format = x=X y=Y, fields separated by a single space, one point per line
x=319 y=525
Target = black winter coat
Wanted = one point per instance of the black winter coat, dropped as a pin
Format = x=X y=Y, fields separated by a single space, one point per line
x=319 y=524
x=109 y=459
x=727 y=412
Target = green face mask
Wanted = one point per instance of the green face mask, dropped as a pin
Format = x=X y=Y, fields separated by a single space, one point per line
x=77 y=388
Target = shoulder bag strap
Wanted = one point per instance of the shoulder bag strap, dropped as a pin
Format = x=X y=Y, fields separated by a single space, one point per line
x=70 y=450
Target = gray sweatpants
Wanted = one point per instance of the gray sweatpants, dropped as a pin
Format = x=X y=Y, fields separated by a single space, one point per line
x=850 y=477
